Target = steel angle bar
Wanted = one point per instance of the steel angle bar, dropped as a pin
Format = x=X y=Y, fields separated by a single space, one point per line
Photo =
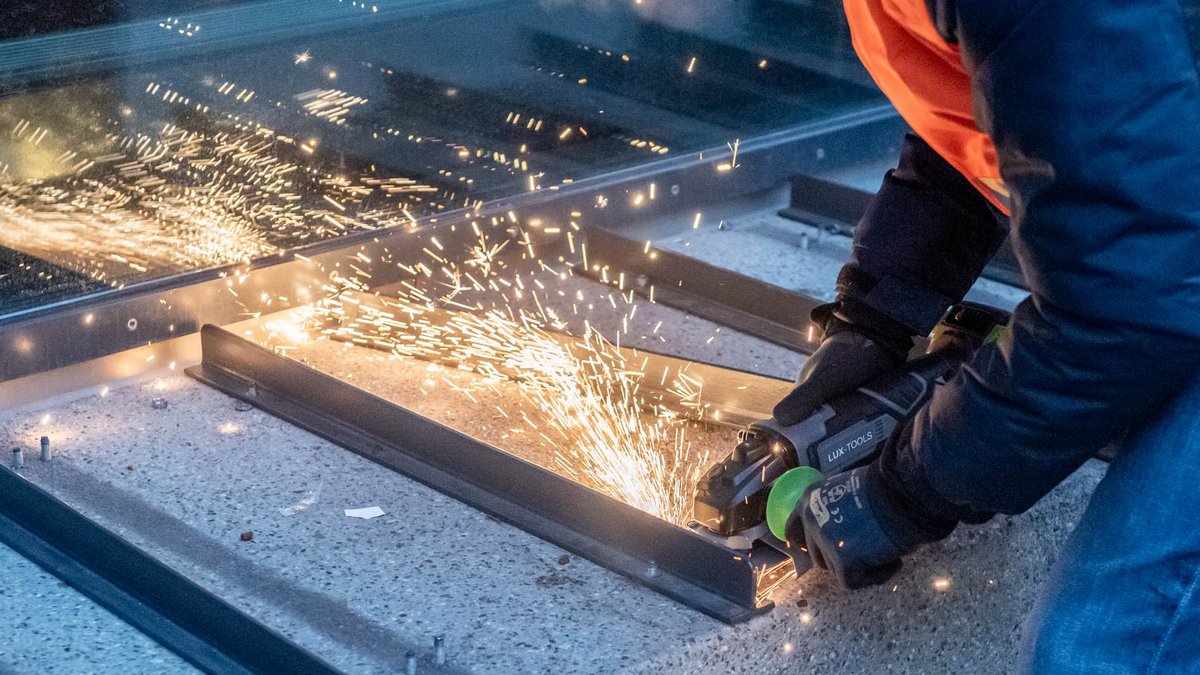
x=653 y=552
x=831 y=206
x=201 y=628
x=720 y=295
x=838 y=208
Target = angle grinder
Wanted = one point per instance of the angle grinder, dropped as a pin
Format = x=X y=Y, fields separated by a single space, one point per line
x=744 y=500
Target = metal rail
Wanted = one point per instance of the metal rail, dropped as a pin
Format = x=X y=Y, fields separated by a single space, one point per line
x=838 y=208
x=754 y=307
x=653 y=552
x=201 y=628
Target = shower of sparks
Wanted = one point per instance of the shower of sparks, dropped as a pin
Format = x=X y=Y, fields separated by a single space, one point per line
x=586 y=392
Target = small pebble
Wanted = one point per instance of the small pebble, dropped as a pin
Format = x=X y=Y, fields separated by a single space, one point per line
x=159 y=404
x=129 y=467
x=564 y=559
x=247 y=536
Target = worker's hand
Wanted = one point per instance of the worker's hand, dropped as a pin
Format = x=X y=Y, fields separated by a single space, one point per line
x=851 y=525
x=846 y=360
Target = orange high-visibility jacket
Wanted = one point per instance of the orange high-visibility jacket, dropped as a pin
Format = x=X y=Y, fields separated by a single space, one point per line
x=925 y=80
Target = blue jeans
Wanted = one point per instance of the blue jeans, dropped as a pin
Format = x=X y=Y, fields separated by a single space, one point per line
x=1124 y=596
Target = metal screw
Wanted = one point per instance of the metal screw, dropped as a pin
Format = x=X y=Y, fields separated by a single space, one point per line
x=642 y=280
x=439 y=650
x=18 y=459
x=410 y=664
x=45 y=448
x=243 y=406
x=652 y=570
x=674 y=190
x=159 y=404
x=131 y=324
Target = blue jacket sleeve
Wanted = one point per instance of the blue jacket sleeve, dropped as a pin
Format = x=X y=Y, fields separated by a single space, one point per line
x=1094 y=106
x=922 y=242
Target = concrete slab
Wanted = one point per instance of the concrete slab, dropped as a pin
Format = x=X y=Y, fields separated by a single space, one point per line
x=185 y=482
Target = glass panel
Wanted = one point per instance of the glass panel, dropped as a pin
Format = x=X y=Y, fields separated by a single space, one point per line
x=167 y=136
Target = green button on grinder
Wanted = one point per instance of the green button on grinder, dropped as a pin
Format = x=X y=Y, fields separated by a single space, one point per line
x=785 y=494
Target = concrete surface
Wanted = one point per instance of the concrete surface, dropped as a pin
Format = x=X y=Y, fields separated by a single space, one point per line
x=184 y=483
x=50 y=628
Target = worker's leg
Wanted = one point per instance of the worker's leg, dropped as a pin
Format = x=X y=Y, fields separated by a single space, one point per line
x=1124 y=596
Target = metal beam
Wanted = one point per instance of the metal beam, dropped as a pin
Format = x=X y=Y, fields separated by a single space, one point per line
x=825 y=204
x=206 y=631
x=838 y=208
x=653 y=552
x=753 y=307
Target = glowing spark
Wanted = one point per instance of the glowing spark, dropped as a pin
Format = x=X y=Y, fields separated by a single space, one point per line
x=302 y=57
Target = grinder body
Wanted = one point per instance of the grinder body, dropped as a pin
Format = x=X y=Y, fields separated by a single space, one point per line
x=849 y=431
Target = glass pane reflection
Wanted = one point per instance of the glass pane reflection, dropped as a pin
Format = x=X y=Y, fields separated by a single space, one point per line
x=143 y=139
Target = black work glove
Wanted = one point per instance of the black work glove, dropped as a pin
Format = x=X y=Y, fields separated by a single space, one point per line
x=856 y=527
x=849 y=357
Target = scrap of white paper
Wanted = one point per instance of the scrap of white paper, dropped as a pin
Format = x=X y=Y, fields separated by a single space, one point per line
x=365 y=513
